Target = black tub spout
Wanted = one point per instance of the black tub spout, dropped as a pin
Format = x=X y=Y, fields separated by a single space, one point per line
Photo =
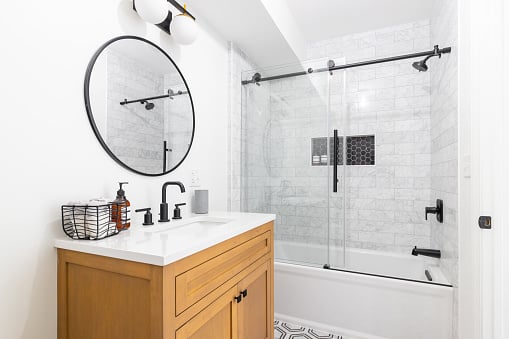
x=427 y=252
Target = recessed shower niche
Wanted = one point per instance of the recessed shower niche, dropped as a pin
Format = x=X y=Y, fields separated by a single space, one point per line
x=139 y=105
x=360 y=150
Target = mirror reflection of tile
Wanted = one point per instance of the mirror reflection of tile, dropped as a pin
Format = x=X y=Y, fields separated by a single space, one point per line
x=360 y=150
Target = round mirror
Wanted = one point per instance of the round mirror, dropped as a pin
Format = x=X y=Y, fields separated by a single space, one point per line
x=139 y=105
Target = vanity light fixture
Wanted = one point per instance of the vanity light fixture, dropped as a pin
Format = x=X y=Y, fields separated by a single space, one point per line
x=182 y=27
x=152 y=11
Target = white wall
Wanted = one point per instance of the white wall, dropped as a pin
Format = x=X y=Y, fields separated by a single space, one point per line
x=50 y=154
x=483 y=106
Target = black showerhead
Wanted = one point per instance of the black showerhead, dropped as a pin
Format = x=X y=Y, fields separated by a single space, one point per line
x=420 y=65
x=148 y=105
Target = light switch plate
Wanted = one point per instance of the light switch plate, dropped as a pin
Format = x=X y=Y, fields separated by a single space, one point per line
x=195 y=179
x=466 y=166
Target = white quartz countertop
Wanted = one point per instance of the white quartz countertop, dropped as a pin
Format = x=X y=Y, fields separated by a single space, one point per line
x=165 y=243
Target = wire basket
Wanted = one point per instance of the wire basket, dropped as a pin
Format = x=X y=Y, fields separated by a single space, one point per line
x=93 y=222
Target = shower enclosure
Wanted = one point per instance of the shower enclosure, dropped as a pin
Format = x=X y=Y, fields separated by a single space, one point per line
x=341 y=153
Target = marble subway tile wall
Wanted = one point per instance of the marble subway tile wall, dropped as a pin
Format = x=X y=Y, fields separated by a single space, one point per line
x=249 y=173
x=256 y=151
x=298 y=191
x=385 y=202
x=444 y=135
x=140 y=149
x=444 y=141
x=238 y=63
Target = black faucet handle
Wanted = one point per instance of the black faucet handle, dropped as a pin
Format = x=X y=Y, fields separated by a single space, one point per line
x=429 y=210
x=147 y=218
x=438 y=210
x=176 y=211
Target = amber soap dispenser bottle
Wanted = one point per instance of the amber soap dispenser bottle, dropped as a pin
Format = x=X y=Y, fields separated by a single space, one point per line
x=120 y=211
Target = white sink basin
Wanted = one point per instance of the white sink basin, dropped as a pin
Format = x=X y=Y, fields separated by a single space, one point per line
x=193 y=225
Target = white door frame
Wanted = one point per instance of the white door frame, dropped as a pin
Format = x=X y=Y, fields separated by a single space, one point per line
x=483 y=152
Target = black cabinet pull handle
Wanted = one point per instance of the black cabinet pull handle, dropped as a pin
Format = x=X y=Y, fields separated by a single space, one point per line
x=244 y=293
x=238 y=298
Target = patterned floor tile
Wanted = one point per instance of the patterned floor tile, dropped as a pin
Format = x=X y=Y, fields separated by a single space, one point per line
x=284 y=330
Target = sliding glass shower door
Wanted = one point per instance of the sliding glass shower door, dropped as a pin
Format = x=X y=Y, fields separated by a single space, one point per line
x=287 y=160
x=342 y=155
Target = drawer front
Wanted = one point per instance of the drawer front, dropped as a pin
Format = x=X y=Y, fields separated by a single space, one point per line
x=199 y=281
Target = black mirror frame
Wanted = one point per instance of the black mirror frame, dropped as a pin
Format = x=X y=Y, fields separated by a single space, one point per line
x=91 y=116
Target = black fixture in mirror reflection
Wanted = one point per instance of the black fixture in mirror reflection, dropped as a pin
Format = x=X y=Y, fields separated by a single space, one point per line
x=171 y=94
x=438 y=210
x=154 y=136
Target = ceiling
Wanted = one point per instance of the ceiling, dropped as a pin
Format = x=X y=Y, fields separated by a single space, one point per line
x=257 y=30
x=325 y=19
x=249 y=25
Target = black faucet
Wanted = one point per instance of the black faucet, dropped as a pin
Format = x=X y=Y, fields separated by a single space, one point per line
x=163 y=207
x=438 y=210
x=427 y=252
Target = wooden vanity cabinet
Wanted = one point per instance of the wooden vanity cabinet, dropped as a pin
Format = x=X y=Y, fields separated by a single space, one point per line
x=222 y=292
x=242 y=312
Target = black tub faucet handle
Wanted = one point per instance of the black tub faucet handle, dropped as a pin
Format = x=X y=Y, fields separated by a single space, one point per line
x=438 y=210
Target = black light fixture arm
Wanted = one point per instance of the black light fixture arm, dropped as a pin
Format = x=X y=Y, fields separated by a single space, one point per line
x=170 y=95
x=435 y=52
x=181 y=8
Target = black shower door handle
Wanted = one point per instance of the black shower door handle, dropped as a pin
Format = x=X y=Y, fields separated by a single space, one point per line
x=335 y=162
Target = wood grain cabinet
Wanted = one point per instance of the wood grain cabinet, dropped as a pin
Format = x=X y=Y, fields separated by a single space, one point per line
x=223 y=292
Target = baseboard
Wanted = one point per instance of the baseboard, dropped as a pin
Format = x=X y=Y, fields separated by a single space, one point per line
x=325 y=327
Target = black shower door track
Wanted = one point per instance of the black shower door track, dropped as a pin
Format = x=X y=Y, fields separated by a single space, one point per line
x=257 y=77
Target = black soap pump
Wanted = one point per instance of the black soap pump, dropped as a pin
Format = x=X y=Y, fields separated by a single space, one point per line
x=120 y=212
x=176 y=211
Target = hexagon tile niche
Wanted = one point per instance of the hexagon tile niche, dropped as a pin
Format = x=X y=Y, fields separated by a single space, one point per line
x=360 y=150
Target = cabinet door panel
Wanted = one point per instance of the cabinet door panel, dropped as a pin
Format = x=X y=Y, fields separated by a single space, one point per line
x=106 y=305
x=217 y=321
x=255 y=320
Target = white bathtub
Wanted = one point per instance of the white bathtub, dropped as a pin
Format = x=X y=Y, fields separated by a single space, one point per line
x=362 y=305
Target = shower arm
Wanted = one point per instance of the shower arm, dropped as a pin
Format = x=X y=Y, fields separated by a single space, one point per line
x=435 y=52
x=170 y=95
